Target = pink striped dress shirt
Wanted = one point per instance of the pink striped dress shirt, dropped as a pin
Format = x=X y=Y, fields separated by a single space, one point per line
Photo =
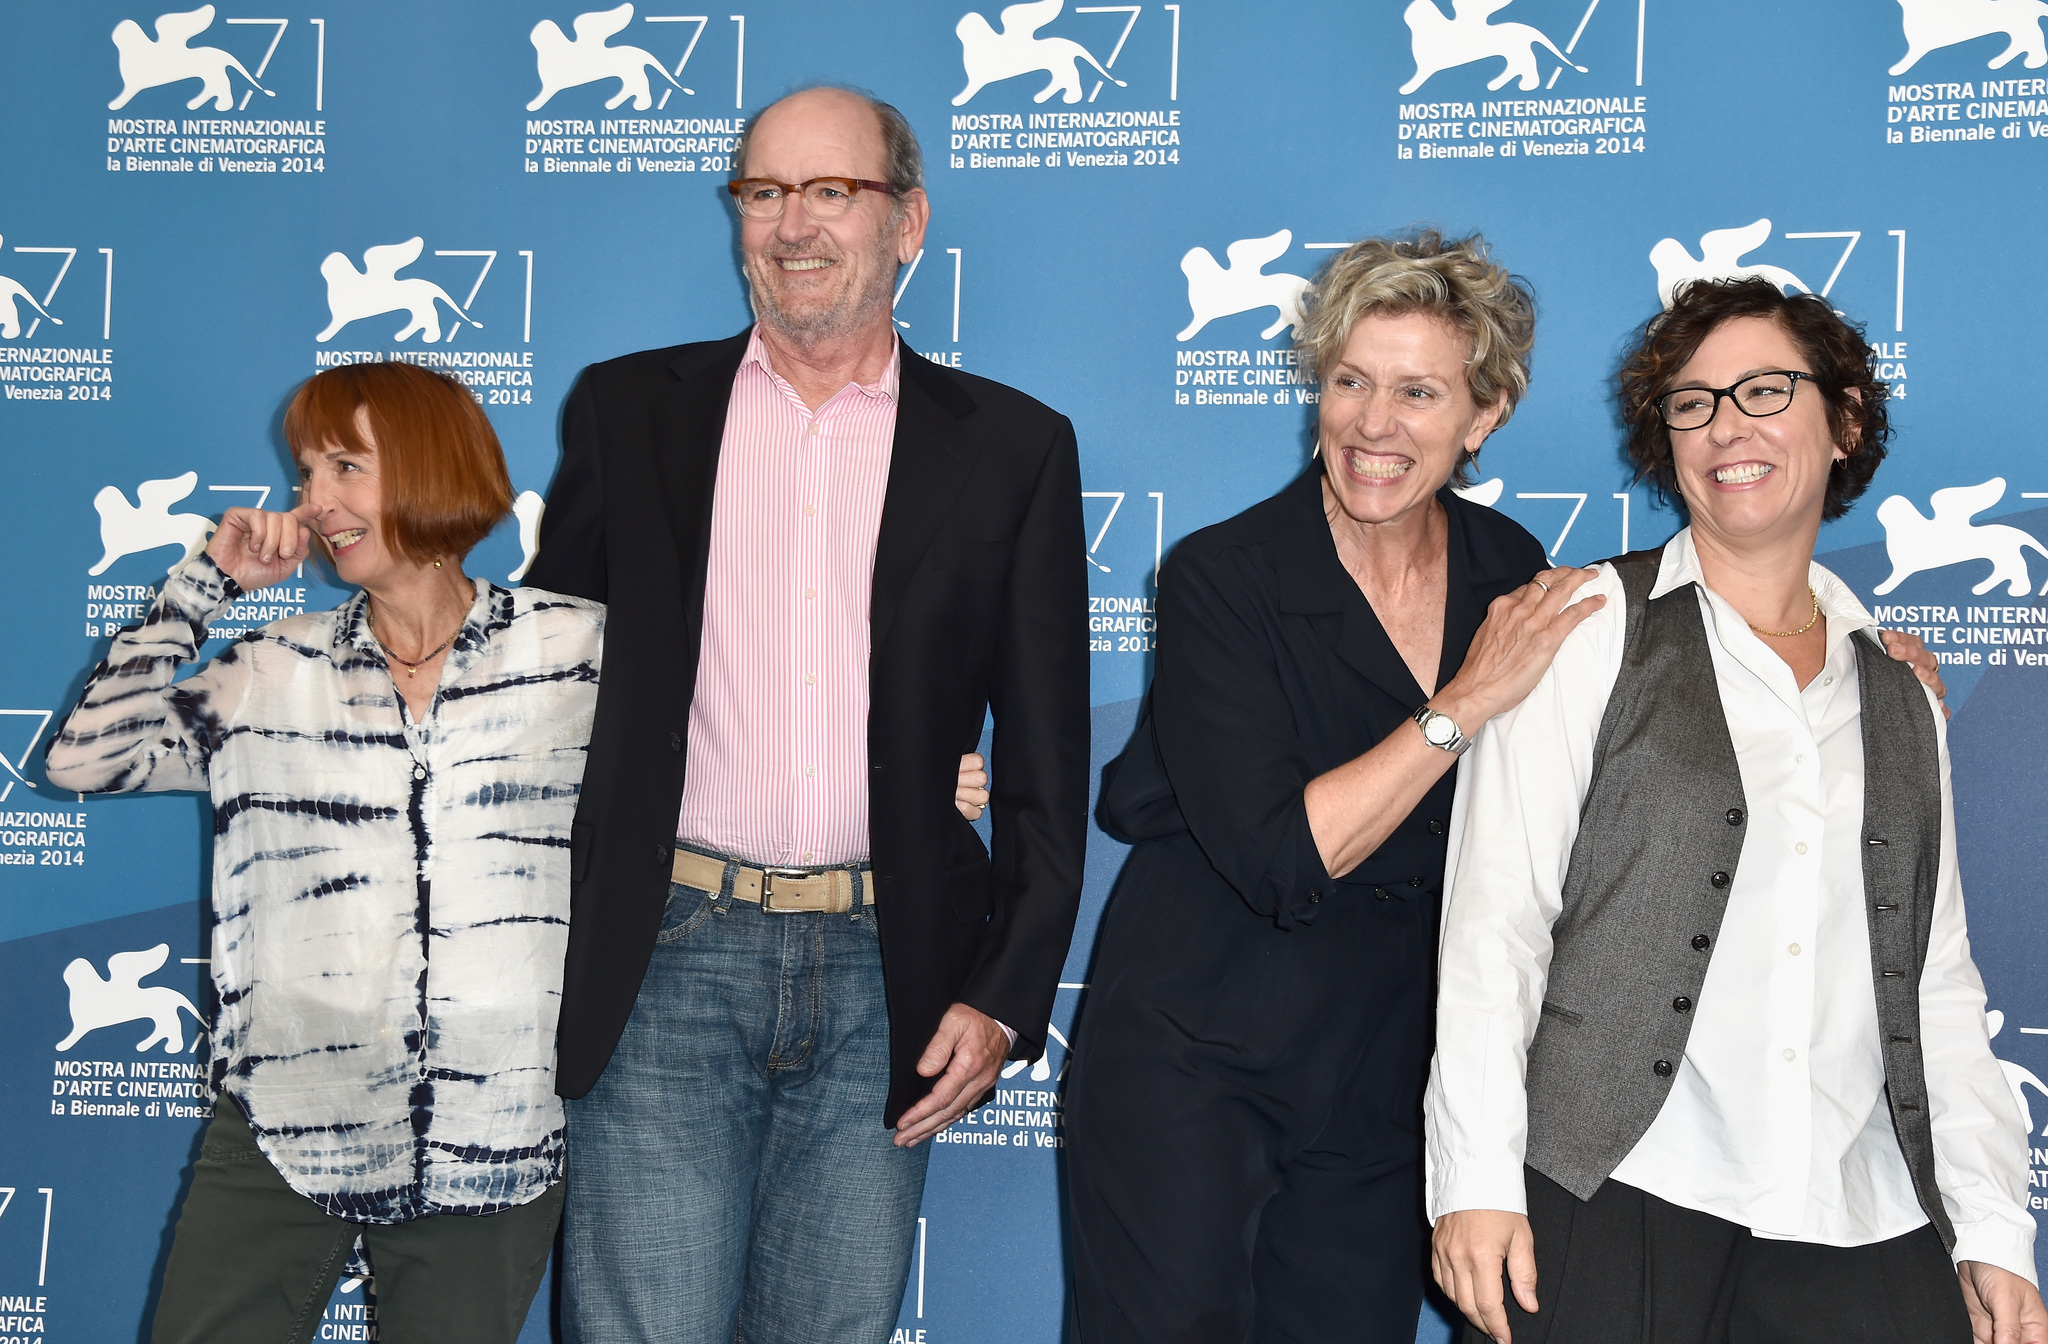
x=778 y=756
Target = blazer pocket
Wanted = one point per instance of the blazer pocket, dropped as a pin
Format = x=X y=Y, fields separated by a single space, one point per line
x=580 y=841
x=1565 y=1015
x=973 y=557
x=967 y=890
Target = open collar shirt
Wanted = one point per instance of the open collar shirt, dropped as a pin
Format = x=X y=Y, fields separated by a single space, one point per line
x=391 y=896
x=778 y=747
x=1777 y=1118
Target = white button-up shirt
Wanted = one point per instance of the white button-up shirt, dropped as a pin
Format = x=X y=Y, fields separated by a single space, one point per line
x=1777 y=1118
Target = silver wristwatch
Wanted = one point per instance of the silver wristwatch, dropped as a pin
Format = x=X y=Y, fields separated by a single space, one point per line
x=1441 y=730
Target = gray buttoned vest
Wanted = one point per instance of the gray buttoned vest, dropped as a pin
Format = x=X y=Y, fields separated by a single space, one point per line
x=1660 y=836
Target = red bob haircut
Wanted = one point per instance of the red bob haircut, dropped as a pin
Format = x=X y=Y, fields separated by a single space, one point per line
x=444 y=480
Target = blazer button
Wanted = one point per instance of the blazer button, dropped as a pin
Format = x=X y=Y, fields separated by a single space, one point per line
x=1414 y=881
x=1436 y=827
x=661 y=853
x=1681 y=1004
x=1700 y=942
x=1719 y=879
x=1315 y=898
x=1734 y=816
x=1662 y=1068
x=675 y=741
x=1379 y=893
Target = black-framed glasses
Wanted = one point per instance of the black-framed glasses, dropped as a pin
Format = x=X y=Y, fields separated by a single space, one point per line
x=1758 y=395
x=823 y=197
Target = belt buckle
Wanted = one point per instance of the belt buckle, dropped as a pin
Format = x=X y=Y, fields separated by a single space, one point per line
x=768 y=876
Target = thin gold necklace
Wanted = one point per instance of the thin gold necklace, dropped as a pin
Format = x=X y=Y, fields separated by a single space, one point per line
x=1774 y=634
x=411 y=668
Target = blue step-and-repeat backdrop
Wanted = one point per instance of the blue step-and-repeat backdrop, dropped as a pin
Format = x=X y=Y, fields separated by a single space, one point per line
x=200 y=208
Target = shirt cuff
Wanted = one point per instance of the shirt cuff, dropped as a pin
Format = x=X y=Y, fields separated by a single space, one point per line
x=195 y=593
x=1010 y=1032
x=203 y=581
x=2000 y=1243
x=1477 y=1186
x=1299 y=904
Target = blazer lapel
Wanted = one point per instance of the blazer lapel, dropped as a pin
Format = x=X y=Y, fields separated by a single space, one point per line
x=1464 y=604
x=929 y=463
x=689 y=427
x=1314 y=582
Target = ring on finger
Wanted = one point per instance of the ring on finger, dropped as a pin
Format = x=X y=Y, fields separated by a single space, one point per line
x=1541 y=584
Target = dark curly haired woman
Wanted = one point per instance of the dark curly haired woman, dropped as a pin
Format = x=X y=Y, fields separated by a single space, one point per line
x=1711 y=1063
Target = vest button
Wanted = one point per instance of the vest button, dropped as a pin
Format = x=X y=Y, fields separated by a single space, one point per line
x=1414 y=881
x=1379 y=893
x=1436 y=827
x=1662 y=1068
x=1734 y=816
x=1681 y=1004
x=1719 y=879
x=1700 y=942
x=1315 y=898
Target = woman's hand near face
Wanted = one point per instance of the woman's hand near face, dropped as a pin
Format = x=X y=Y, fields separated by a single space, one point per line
x=257 y=548
x=970 y=795
x=1522 y=633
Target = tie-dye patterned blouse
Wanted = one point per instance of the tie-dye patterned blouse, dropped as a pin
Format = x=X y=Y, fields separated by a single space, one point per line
x=391 y=898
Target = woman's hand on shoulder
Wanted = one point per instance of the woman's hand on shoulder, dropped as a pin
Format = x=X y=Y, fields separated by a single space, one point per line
x=257 y=548
x=1908 y=649
x=1514 y=647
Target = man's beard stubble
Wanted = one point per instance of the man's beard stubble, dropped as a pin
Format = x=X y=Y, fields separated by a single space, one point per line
x=854 y=311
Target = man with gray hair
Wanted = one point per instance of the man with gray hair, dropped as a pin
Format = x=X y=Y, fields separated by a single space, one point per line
x=833 y=560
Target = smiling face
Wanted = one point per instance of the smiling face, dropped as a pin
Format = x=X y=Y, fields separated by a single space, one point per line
x=815 y=280
x=1397 y=415
x=346 y=494
x=1754 y=480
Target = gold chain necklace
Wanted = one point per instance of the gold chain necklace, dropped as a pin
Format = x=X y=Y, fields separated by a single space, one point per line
x=1788 y=634
x=411 y=668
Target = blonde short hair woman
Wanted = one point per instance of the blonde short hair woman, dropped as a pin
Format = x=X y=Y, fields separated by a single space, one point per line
x=1244 y=1157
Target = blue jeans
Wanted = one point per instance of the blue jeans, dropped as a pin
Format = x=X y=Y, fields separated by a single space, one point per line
x=729 y=1178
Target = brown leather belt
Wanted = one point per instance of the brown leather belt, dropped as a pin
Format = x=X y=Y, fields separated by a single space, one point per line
x=778 y=891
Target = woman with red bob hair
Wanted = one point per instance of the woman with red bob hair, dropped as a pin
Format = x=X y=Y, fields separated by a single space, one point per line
x=392 y=783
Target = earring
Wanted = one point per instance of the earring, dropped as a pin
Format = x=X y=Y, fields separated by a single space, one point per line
x=437 y=564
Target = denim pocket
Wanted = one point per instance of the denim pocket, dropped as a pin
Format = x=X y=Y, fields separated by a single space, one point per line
x=687 y=908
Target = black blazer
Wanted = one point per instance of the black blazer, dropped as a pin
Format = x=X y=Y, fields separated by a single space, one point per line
x=979 y=603
x=1273 y=669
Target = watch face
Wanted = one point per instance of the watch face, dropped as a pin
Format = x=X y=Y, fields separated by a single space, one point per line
x=1439 y=730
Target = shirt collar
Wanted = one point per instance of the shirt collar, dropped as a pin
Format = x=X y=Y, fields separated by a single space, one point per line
x=1844 y=611
x=488 y=614
x=883 y=387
